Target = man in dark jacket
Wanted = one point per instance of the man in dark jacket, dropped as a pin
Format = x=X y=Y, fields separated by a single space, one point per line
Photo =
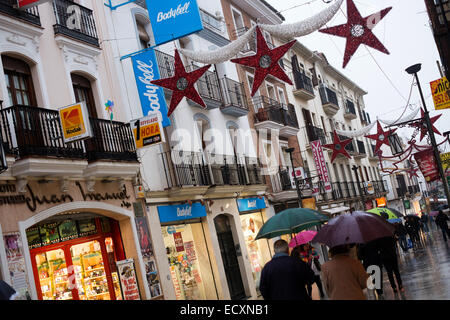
x=400 y=232
x=369 y=254
x=441 y=221
x=388 y=254
x=285 y=277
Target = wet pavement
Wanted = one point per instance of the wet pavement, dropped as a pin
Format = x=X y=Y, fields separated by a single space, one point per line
x=425 y=271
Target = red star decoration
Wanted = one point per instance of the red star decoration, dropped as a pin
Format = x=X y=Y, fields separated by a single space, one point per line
x=423 y=127
x=358 y=30
x=182 y=84
x=413 y=173
x=265 y=61
x=338 y=147
x=381 y=137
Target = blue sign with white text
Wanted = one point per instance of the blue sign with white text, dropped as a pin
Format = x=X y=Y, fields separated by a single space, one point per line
x=173 y=19
x=251 y=204
x=181 y=212
x=151 y=96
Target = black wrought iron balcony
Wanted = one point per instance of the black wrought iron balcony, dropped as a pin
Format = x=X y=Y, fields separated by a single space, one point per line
x=166 y=64
x=111 y=140
x=75 y=21
x=314 y=133
x=329 y=100
x=303 y=85
x=361 y=149
x=185 y=168
x=350 y=111
x=401 y=192
x=289 y=116
x=227 y=170
x=269 y=111
x=32 y=131
x=208 y=88
x=349 y=147
x=254 y=174
x=234 y=98
x=30 y=15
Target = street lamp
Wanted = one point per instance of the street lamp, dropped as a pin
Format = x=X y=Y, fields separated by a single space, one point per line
x=413 y=70
x=297 y=186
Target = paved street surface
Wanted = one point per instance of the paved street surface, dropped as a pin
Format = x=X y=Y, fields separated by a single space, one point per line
x=425 y=272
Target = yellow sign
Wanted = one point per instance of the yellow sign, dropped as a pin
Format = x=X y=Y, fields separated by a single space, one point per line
x=147 y=131
x=309 y=203
x=381 y=202
x=445 y=159
x=440 y=90
x=75 y=122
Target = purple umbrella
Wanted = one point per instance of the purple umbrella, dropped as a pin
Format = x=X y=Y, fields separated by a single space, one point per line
x=356 y=227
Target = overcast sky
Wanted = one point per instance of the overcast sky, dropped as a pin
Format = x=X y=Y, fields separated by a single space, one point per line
x=405 y=32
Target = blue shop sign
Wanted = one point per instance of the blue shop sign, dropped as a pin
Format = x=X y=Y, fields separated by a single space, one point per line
x=151 y=96
x=251 y=204
x=181 y=212
x=173 y=19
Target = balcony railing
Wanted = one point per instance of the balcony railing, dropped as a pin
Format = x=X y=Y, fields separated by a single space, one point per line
x=208 y=87
x=314 y=133
x=166 y=64
x=361 y=147
x=268 y=110
x=234 y=97
x=351 y=190
x=185 y=168
x=303 y=82
x=350 y=109
x=30 y=15
x=327 y=95
x=32 y=131
x=76 y=23
x=349 y=147
x=112 y=141
x=251 y=45
x=289 y=116
x=213 y=23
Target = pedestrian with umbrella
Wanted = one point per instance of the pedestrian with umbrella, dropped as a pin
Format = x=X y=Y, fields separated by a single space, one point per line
x=441 y=222
x=388 y=255
x=345 y=277
x=412 y=226
x=304 y=251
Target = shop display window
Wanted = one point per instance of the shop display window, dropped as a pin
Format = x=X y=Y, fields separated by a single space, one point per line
x=89 y=271
x=190 y=267
x=258 y=251
x=53 y=275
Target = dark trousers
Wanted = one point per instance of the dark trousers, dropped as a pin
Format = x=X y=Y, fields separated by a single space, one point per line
x=391 y=270
x=445 y=233
x=318 y=282
x=403 y=243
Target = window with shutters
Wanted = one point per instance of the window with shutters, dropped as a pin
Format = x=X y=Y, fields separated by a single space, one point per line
x=19 y=82
x=83 y=92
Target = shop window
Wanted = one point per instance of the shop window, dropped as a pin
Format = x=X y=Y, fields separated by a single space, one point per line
x=53 y=275
x=83 y=92
x=19 y=82
x=190 y=266
x=89 y=270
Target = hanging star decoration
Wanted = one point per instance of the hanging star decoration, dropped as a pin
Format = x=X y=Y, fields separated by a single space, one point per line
x=338 y=147
x=413 y=172
x=422 y=126
x=182 y=84
x=265 y=62
x=382 y=137
x=358 y=30
x=109 y=107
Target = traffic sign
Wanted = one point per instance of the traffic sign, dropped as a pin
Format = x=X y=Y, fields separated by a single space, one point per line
x=440 y=90
x=147 y=131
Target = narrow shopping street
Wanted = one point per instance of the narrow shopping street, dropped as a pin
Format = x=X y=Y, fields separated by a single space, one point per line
x=425 y=272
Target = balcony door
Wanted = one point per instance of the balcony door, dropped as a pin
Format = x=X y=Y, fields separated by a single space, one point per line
x=19 y=84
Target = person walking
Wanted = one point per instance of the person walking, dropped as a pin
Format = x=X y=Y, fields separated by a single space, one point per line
x=369 y=254
x=310 y=256
x=389 y=259
x=344 y=277
x=424 y=222
x=441 y=222
x=285 y=277
x=400 y=232
x=413 y=233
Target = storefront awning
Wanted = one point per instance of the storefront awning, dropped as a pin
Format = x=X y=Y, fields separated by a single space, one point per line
x=335 y=210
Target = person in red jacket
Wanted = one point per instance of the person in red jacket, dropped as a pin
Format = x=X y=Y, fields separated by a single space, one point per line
x=285 y=277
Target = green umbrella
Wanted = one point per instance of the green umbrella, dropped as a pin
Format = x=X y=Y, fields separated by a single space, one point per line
x=291 y=221
x=386 y=213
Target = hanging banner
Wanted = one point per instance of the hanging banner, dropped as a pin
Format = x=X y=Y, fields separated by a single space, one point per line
x=427 y=164
x=25 y=4
x=440 y=90
x=173 y=19
x=322 y=171
x=147 y=131
x=152 y=97
x=128 y=279
x=16 y=264
x=75 y=122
